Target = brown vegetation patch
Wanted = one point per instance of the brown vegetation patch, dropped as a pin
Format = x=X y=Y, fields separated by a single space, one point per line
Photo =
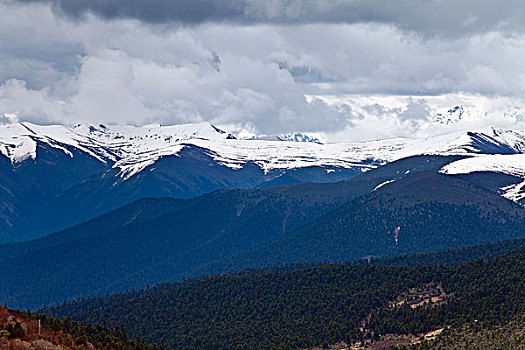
x=19 y=333
x=430 y=294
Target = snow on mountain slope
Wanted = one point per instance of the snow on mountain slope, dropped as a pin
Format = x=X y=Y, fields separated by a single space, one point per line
x=145 y=147
x=514 y=192
x=15 y=145
x=136 y=148
x=512 y=164
x=131 y=149
x=18 y=141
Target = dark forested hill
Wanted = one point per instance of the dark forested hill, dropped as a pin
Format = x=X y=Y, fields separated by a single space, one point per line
x=314 y=306
x=421 y=212
x=142 y=210
x=27 y=187
x=450 y=257
x=402 y=207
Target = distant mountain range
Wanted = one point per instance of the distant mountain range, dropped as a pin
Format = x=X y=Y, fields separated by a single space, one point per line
x=53 y=177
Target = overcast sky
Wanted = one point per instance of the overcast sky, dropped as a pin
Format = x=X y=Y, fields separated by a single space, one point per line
x=344 y=69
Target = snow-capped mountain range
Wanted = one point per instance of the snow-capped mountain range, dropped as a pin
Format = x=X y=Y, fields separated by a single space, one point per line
x=55 y=176
x=131 y=149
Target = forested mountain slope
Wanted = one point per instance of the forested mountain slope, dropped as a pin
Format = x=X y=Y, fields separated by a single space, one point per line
x=472 y=335
x=139 y=211
x=314 y=306
x=422 y=212
x=158 y=240
x=402 y=207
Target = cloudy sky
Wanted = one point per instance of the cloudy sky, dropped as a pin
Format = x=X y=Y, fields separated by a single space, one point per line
x=343 y=69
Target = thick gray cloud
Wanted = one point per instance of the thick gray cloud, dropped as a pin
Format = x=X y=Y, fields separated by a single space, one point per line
x=291 y=71
x=429 y=17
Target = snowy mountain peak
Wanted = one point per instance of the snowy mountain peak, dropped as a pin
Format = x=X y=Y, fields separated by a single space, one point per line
x=18 y=141
x=289 y=137
x=131 y=149
x=153 y=132
x=451 y=116
x=298 y=137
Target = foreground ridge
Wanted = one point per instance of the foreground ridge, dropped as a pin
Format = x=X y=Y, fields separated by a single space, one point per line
x=27 y=330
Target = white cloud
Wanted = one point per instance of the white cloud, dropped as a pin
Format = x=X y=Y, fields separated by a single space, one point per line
x=381 y=116
x=253 y=78
x=35 y=105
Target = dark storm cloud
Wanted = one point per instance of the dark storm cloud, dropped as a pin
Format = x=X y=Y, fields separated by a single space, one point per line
x=432 y=17
x=184 y=11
